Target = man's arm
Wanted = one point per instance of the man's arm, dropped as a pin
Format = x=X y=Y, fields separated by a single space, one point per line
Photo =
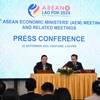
x=81 y=67
x=67 y=64
x=36 y=68
x=50 y=67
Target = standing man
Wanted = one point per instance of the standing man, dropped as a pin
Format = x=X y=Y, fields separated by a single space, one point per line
x=74 y=64
x=43 y=65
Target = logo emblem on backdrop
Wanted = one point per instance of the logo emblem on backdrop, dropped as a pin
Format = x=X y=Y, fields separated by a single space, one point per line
x=33 y=10
x=67 y=8
x=49 y=10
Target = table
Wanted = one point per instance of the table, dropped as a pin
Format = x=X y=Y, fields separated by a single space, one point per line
x=79 y=85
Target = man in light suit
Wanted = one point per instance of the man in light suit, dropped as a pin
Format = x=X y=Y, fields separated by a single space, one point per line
x=43 y=65
x=95 y=90
x=74 y=64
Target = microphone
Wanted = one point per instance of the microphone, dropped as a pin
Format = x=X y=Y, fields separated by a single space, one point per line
x=49 y=67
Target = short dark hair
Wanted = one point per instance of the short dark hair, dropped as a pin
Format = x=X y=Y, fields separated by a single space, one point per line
x=47 y=87
x=96 y=87
x=44 y=56
x=10 y=94
x=62 y=94
x=2 y=87
x=30 y=84
x=74 y=56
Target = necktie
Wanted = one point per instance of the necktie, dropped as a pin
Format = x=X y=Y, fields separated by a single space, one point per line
x=44 y=67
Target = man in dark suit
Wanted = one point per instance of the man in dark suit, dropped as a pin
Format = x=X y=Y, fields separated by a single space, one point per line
x=43 y=65
x=47 y=91
x=74 y=64
x=2 y=88
x=30 y=86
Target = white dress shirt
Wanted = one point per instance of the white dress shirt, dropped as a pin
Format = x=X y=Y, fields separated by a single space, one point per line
x=94 y=96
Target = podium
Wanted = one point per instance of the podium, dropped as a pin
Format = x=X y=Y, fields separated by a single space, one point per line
x=44 y=72
x=79 y=84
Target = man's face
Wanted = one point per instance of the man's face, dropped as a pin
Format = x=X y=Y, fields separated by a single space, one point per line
x=44 y=60
x=74 y=60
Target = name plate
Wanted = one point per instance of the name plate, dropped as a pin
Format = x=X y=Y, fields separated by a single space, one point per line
x=88 y=71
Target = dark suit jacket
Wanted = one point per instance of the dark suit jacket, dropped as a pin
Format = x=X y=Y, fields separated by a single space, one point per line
x=77 y=66
x=39 y=66
x=46 y=97
x=30 y=96
x=0 y=98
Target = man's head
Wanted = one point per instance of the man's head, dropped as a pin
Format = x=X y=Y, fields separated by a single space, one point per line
x=62 y=94
x=30 y=84
x=10 y=94
x=96 y=87
x=2 y=87
x=74 y=58
x=44 y=59
x=47 y=88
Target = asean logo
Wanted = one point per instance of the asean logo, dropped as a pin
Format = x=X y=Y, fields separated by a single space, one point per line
x=33 y=10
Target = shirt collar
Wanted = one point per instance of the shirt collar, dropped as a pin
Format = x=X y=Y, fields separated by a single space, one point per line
x=94 y=94
x=30 y=91
x=43 y=64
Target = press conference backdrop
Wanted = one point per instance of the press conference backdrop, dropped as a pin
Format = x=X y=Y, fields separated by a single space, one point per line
x=57 y=28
